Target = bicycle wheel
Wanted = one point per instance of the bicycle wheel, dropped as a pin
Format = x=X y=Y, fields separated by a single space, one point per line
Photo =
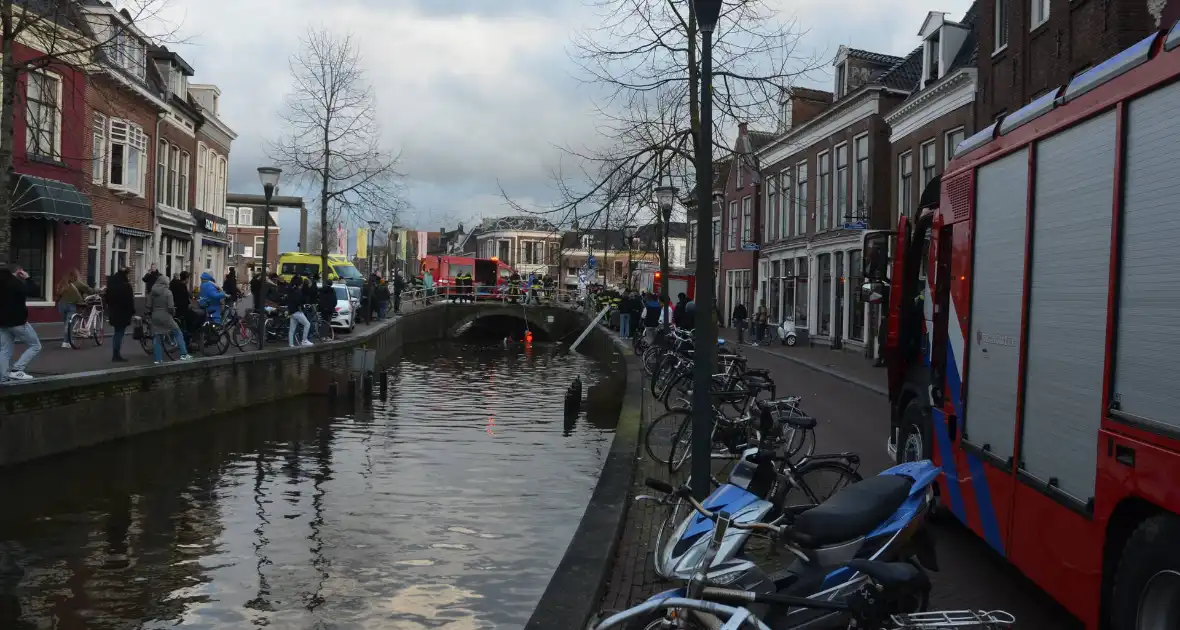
x=660 y=434
x=98 y=330
x=77 y=329
x=663 y=378
x=326 y=333
x=240 y=335
x=221 y=341
x=652 y=357
x=146 y=340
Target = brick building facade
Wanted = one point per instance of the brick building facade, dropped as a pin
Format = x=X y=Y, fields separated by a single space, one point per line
x=48 y=240
x=1027 y=48
x=125 y=100
x=826 y=181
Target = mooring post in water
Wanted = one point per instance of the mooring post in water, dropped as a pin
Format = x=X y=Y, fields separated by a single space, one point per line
x=352 y=387
x=384 y=384
x=601 y=314
x=573 y=395
x=333 y=390
x=367 y=385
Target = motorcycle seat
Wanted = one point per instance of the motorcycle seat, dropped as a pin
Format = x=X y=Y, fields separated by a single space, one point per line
x=892 y=573
x=854 y=511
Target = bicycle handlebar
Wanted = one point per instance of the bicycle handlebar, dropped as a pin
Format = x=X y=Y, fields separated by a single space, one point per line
x=684 y=492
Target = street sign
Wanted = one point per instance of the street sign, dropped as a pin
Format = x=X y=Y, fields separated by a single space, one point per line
x=592 y=262
x=750 y=247
x=859 y=225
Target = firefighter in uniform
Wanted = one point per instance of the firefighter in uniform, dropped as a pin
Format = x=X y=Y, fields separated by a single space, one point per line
x=514 y=287
x=535 y=290
x=468 y=287
x=547 y=283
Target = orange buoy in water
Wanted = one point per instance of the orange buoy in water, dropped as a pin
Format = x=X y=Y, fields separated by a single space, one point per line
x=528 y=336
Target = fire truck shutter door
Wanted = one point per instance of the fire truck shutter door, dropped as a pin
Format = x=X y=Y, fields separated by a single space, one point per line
x=1067 y=306
x=1145 y=374
x=995 y=307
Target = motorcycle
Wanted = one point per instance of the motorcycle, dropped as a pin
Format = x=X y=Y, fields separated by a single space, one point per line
x=786 y=332
x=879 y=519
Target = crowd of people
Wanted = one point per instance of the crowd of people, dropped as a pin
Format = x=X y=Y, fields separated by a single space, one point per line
x=643 y=309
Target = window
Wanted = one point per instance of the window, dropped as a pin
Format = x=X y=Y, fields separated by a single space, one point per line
x=739 y=174
x=98 y=150
x=174 y=177
x=801 y=292
x=32 y=243
x=222 y=176
x=162 y=173
x=178 y=83
x=1001 y=24
x=692 y=240
x=905 y=184
x=138 y=263
x=127 y=52
x=258 y=248
x=784 y=215
x=532 y=252
x=120 y=249
x=860 y=180
x=92 y=256
x=1040 y=13
x=716 y=237
x=842 y=214
x=768 y=210
x=953 y=138
x=929 y=163
x=128 y=157
x=856 y=323
x=202 y=158
x=733 y=225
x=587 y=241
x=801 y=199
x=245 y=216
x=840 y=78
x=824 y=194
x=747 y=219
x=824 y=305
x=931 y=59
x=182 y=196
x=43 y=115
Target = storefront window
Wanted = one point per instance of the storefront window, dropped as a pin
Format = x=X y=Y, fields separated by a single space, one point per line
x=788 y=282
x=824 y=310
x=802 y=294
x=30 y=250
x=856 y=327
x=773 y=301
x=120 y=250
x=93 y=278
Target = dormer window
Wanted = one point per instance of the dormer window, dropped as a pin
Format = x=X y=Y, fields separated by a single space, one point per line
x=129 y=53
x=841 y=78
x=785 y=115
x=178 y=83
x=932 y=59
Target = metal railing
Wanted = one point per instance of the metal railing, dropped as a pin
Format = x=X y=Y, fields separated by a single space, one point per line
x=484 y=294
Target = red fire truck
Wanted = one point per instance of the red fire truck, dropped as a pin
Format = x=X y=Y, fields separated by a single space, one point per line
x=1031 y=339
x=487 y=273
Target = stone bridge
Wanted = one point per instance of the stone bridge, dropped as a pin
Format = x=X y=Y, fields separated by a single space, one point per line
x=448 y=320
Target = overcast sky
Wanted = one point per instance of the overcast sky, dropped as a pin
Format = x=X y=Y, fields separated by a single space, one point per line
x=474 y=93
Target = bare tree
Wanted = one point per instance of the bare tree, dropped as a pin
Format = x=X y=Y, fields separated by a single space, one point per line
x=332 y=138
x=643 y=58
x=59 y=34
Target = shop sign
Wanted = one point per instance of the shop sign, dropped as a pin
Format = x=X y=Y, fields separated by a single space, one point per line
x=216 y=227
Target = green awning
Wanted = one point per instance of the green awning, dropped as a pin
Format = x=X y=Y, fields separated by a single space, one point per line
x=49 y=199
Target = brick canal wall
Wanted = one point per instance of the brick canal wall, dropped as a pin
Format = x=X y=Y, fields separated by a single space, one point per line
x=59 y=414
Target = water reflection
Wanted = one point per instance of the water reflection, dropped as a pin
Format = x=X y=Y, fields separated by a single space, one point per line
x=445 y=506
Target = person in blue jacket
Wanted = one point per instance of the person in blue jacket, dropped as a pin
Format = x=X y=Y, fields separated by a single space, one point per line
x=211 y=297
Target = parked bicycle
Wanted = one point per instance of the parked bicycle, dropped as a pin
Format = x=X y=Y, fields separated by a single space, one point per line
x=88 y=323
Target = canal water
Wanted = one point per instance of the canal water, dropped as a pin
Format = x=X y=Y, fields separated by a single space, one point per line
x=448 y=505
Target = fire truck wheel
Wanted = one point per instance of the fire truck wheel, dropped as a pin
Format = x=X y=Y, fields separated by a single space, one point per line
x=1146 y=592
x=913 y=441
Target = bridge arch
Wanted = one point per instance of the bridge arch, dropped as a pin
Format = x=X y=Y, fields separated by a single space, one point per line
x=535 y=319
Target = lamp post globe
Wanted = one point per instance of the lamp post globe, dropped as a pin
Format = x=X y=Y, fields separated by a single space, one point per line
x=708 y=12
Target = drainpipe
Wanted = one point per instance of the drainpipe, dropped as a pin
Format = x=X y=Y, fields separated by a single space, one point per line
x=157 y=232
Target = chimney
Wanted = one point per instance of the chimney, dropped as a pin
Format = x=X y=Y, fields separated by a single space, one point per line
x=742 y=128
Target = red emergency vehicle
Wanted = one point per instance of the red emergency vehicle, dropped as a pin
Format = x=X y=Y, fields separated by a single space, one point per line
x=488 y=273
x=677 y=284
x=1032 y=344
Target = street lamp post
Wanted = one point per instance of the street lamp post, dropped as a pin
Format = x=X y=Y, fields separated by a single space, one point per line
x=629 y=233
x=665 y=197
x=705 y=337
x=269 y=176
x=369 y=253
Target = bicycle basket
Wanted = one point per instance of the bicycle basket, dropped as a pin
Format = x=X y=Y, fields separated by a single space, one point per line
x=92 y=300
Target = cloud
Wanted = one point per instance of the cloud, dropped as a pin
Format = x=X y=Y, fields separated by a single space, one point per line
x=475 y=94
